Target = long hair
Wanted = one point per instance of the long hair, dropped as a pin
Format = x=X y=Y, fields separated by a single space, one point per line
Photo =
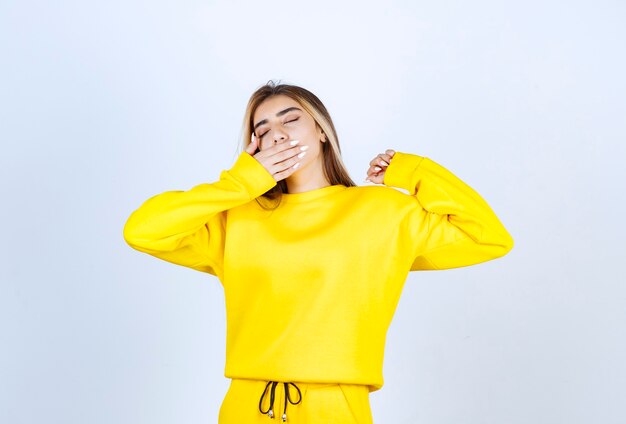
x=334 y=168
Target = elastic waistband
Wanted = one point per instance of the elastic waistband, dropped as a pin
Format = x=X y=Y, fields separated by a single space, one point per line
x=300 y=384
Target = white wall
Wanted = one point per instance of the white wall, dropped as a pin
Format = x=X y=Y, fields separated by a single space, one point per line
x=104 y=104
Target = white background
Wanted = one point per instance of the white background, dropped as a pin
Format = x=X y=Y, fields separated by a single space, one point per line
x=104 y=104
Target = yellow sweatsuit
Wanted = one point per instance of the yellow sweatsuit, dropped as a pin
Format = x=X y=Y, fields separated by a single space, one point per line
x=311 y=287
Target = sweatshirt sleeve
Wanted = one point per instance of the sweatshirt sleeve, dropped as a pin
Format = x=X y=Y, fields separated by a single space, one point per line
x=188 y=227
x=450 y=225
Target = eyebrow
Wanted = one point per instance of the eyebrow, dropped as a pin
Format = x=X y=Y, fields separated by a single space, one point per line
x=281 y=113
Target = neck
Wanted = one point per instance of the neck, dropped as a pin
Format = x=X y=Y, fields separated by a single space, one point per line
x=310 y=177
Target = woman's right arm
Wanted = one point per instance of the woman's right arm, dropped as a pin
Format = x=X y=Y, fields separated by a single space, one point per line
x=188 y=227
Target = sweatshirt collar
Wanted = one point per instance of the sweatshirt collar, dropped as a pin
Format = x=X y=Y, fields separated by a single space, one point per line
x=317 y=193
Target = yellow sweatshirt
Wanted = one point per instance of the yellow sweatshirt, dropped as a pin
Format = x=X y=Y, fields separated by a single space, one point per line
x=311 y=287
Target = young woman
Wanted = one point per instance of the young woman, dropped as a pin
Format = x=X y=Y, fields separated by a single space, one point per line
x=312 y=265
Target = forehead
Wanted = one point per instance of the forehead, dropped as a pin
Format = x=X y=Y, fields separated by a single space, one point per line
x=270 y=107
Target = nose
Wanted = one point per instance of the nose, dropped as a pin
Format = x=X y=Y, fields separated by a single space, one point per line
x=280 y=136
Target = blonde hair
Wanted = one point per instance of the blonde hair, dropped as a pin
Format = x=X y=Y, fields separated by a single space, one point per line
x=334 y=168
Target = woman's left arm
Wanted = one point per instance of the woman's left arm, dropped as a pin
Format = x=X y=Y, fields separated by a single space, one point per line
x=450 y=225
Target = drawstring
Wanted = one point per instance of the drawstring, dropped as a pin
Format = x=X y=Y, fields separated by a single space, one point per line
x=270 y=411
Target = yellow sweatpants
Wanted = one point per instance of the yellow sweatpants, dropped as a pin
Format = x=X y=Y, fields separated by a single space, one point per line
x=314 y=403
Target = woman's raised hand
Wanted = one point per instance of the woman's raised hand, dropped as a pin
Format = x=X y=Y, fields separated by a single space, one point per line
x=378 y=166
x=281 y=160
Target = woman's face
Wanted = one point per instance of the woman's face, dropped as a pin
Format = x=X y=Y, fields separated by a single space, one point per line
x=282 y=119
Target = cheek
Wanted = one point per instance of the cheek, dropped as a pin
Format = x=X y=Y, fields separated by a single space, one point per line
x=266 y=144
x=313 y=151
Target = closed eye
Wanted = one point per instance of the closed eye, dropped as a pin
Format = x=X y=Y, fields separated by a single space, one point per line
x=293 y=120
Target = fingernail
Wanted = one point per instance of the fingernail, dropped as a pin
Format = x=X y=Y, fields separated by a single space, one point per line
x=378 y=168
x=294 y=142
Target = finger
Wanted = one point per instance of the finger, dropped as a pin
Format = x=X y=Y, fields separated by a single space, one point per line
x=294 y=145
x=252 y=145
x=386 y=158
x=287 y=167
x=382 y=161
x=289 y=157
x=283 y=151
x=373 y=169
x=378 y=160
x=375 y=178
x=279 y=152
x=371 y=176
